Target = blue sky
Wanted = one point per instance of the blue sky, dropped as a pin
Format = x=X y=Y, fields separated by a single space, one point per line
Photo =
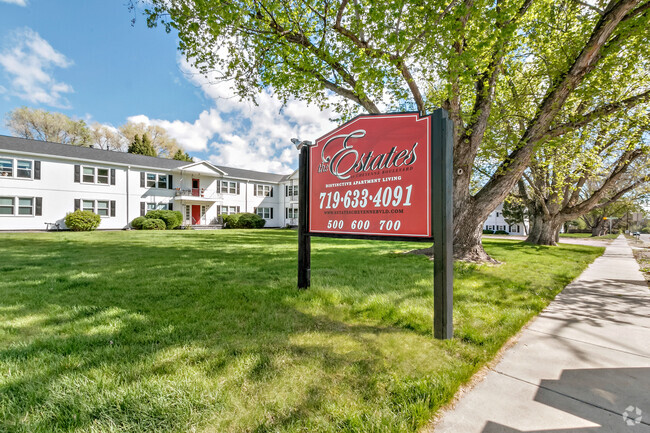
x=84 y=58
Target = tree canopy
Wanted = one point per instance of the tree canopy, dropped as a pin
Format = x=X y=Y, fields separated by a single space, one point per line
x=141 y=145
x=43 y=125
x=512 y=74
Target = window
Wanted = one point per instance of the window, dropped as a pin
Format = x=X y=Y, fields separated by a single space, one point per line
x=102 y=176
x=263 y=190
x=24 y=169
x=291 y=190
x=265 y=212
x=151 y=180
x=228 y=187
x=162 y=181
x=6 y=205
x=102 y=208
x=157 y=206
x=89 y=174
x=6 y=167
x=227 y=210
x=88 y=205
x=497 y=214
x=25 y=206
x=291 y=212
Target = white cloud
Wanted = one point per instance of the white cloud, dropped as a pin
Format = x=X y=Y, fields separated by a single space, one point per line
x=241 y=134
x=15 y=2
x=29 y=61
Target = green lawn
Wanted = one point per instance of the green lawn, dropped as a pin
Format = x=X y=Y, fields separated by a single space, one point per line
x=205 y=331
x=588 y=235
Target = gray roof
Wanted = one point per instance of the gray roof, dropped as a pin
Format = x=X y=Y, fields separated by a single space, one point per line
x=90 y=154
x=250 y=174
x=85 y=153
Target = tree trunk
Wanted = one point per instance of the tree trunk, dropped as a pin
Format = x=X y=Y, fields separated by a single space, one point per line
x=468 y=228
x=597 y=230
x=544 y=230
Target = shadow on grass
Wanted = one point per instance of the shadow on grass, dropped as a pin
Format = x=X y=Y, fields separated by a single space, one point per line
x=172 y=331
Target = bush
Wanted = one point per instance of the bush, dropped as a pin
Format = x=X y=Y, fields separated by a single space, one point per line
x=488 y=232
x=137 y=222
x=501 y=232
x=153 y=224
x=243 y=221
x=171 y=218
x=82 y=220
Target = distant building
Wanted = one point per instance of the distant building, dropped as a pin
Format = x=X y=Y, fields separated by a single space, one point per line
x=496 y=222
x=40 y=182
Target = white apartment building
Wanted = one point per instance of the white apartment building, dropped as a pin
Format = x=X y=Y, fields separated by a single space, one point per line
x=496 y=222
x=40 y=182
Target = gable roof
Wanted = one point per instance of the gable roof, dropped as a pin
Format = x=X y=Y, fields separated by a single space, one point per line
x=47 y=148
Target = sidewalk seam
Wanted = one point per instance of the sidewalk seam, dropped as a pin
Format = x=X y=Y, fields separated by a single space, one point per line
x=591 y=344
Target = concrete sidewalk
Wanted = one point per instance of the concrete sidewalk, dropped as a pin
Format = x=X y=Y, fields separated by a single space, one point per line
x=580 y=366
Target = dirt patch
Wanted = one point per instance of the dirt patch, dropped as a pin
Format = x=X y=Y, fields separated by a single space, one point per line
x=642 y=255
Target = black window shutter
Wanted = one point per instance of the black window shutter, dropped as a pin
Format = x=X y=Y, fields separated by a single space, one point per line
x=170 y=206
x=271 y=191
x=254 y=189
x=77 y=173
x=254 y=210
x=286 y=212
x=237 y=187
x=142 y=208
x=37 y=170
x=218 y=209
x=271 y=213
x=112 y=207
x=142 y=179
x=286 y=190
x=170 y=180
x=238 y=209
x=218 y=186
x=112 y=176
x=77 y=204
x=39 y=206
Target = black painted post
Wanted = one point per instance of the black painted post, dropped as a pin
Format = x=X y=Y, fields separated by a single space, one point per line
x=442 y=217
x=304 y=241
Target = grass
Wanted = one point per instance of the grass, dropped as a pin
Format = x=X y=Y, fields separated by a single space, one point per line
x=205 y=331
x=588 y=235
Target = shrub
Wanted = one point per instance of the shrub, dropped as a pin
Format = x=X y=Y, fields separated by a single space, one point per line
x=488 y=232
x=171 y=218
x=82 y=220
x=137 y=222
x=153 y=224
x=243 y=221
x=500 y=232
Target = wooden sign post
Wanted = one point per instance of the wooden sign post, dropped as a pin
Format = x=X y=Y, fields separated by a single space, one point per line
x=383 y=177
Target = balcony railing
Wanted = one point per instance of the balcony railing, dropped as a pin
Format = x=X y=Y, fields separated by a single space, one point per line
x=194 y=192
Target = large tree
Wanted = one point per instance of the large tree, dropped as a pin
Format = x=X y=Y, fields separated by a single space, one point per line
x=587 y=169
x=37 y=124
x=538 y=57
x=165 y=145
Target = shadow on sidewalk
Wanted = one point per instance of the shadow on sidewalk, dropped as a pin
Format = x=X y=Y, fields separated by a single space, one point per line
x=601 y=396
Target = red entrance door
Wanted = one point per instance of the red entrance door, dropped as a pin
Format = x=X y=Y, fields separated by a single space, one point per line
x=196 y=214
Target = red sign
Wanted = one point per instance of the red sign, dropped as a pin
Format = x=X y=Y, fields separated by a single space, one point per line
x=372 y=176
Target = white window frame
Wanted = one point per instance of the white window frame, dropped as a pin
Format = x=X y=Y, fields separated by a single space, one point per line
x=147 y=180
x=107 y=208
x=157 y=206
x=228 y=187
x=166 y=179
x=292 y=190
x=264 y=212
x=83 y=174
x=292 y=213
x=14 y=168
x=108 y=176
x=83 y=205
x=13 y=207
x=262 y=190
